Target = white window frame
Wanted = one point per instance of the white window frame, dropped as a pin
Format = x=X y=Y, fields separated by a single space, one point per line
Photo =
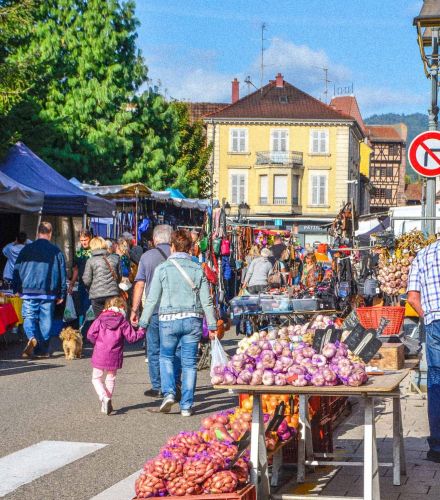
x=285 y=187
x=322 y=174
x=279 y=155
x=239 y=131
x=244 y=174
x=266 y=194
x=319 y=135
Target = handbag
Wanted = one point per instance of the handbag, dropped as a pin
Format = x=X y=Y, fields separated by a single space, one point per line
x=210 y=274
x=225 y=248
x=203 y=244
x=275 y=279
x=216 y=246
x=122 y=293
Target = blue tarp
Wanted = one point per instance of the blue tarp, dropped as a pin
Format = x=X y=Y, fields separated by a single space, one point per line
x=17 y=198
x=175 y=193
x=61 y=197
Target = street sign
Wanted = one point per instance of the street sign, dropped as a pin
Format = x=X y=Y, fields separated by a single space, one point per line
x=278 y=222
x=424 y=154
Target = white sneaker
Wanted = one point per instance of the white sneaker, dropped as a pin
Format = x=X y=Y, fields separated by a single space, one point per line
x=106 y=406
x=187 y=413
x=103 y=406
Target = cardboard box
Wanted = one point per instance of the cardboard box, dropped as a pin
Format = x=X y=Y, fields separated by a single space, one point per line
x=390 y=357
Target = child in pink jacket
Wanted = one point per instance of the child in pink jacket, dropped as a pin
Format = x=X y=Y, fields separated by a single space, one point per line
x=107 y=333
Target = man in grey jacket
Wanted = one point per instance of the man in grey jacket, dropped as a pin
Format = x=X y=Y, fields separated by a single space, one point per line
x=257 y=274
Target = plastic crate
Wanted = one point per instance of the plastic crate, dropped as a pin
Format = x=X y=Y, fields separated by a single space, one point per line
x=247 y=493
x=244 y=305
x=370 y=317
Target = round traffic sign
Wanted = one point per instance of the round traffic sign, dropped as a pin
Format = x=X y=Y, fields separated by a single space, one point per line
x=424 y=154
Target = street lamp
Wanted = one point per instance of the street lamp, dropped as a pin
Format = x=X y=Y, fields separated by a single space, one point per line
x=243 y=210
x=428 y=29
x=227 y=209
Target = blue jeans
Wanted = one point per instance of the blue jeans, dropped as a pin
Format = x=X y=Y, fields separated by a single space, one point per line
x=432 y=332
x=153 y=355
x=188 y=332
x=38 y=317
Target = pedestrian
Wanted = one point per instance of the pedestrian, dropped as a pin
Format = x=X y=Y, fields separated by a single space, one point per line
x=11 y=252
x=278 y=248
x=180 y=288
x=40 y=278
x=102 y=275
x=424 y=296
x=79 y=264
x=150 y=260
x=257 y=273
x=107 y=333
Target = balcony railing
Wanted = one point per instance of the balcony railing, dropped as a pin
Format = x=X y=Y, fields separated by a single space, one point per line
x=263 y=200
x=279 y=201
x=292 y=158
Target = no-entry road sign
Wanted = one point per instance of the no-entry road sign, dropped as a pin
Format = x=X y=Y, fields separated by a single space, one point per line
x=424 y=154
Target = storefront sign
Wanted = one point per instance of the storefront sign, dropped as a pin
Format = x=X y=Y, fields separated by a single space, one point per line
x=311 y=228
x=278 y=222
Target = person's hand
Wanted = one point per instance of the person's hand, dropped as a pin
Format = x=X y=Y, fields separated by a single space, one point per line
x=59 y=301
x=70 y=289
x=212 y=334
x=134 y=320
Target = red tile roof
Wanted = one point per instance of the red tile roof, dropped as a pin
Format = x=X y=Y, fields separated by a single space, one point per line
x=279 y=102
x=387 y=133
x=413 y=192
x=348 y=104
x=198 y=110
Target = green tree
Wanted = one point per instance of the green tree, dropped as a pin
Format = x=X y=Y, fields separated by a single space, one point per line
x=190 y=170
x=92 y=72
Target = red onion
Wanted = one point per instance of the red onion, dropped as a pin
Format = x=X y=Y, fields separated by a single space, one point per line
x=329 y=350
x=300 y=381
x=286 y=352
x=317 y=379
x=265 y=345
x=244 y=377
x=279 y=367
x=229 y=378
x=308 y=352
x=280 y=379
x=277 y=348
x=355 y=379
x=319 y=360
x=268 y=358
x=286 y=361
x=217 y=379
x=296 y=370
x=329 y=376
x=268 y=377
x=257 y=377
x=253 y=350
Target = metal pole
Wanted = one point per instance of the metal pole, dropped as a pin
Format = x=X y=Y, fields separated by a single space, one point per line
x=433 y=119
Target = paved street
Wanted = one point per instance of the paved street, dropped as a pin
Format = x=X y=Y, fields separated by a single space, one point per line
x=53 y=400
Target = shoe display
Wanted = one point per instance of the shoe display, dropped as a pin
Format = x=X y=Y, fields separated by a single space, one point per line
x=167 y=404
x=29 y=349
x=153 y=393
x=187 y=413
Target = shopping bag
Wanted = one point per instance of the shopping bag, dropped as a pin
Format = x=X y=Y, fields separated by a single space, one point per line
x=69 y=310
x=90 y=315
x=218 y=355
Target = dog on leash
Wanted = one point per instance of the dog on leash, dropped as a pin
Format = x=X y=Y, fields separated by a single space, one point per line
x=72 y=342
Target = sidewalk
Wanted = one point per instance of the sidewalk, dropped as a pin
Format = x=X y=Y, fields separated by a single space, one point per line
x=423 y=477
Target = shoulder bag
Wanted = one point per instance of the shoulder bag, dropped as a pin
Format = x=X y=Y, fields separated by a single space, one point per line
x=275 y=279
x=122 y=293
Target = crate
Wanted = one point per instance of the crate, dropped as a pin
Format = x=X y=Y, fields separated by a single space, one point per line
x=275 y=303
x=247 y=493
x=244 y=305
x=370 y=317
x=391 y=356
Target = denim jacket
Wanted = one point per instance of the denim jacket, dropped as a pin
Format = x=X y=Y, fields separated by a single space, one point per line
x=174 y=295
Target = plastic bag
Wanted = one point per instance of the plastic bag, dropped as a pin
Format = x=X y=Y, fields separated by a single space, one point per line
x=90 y=315
x=218 y=355
x=69 y=310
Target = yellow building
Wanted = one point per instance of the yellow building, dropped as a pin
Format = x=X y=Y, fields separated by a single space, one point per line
x=290 y=157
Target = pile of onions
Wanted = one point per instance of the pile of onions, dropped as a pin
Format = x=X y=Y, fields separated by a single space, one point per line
x=266 y=364
x=393 y=274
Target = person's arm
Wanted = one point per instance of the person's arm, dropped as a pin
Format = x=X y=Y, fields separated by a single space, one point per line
x=154 y=295
x=88 y=274
x=92 y=333
x=73 y=279
x=131 y=334
x=249 y=273
x=138 y=291
x=206 y=301
x=7 y=250
x=413 y=288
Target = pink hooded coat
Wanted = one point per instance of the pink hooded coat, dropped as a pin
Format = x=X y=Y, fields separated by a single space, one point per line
x=107 y=333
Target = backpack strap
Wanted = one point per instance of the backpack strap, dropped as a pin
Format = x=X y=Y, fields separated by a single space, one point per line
x=184 y=274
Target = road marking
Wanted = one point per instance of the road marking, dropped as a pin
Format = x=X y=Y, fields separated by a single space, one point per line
x=28 y=464
x=124 y=490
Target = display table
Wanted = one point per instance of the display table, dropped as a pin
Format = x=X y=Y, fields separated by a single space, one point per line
x=8 y=317
x=383 y=386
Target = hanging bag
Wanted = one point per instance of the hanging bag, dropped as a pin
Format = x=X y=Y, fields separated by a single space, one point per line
x=69 y=310
x=275 y=279
x=219 y=358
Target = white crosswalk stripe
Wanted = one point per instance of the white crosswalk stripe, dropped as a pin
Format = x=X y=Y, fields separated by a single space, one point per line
x=124 y=490
x=26 y=465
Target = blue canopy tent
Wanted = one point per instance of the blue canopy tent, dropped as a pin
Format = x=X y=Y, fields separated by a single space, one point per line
x=61 y=197
x=17 y=198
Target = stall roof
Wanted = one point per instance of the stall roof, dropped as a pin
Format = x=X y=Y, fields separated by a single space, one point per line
x=114 y=191
x=17 y=198
x=60 y=196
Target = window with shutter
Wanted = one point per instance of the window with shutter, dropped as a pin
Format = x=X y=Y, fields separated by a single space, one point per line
x=280 y=189
x=264 y=191
x=318 y=189
x=238 y=140
x=238 y=184
x=319 y=141
x=279 y=145
x=295 y=190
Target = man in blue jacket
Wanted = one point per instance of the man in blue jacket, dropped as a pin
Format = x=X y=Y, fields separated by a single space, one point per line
x=40 y=278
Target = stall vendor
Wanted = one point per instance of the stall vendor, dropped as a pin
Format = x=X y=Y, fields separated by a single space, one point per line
x=309 y=276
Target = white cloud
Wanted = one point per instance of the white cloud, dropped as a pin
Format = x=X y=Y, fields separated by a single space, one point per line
x=387 y=100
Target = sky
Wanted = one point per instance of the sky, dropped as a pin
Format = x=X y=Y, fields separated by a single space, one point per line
x=194 y=48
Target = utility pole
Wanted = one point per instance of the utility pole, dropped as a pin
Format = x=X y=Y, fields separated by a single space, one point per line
x=326 y=82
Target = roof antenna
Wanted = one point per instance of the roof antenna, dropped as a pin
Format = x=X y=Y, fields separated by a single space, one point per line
x=326 y=82
x=263 y=29
x=248 y=82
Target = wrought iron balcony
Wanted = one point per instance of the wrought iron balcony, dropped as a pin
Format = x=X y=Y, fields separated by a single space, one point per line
x=279 y=201
x=292 y=158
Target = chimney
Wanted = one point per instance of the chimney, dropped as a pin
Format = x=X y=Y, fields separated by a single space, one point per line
x=279 y=79
x=235 y=90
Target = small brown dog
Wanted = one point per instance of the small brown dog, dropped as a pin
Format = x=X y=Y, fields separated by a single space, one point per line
x=72 y=342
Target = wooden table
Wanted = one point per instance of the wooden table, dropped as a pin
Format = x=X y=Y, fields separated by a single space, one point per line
x=380 y=386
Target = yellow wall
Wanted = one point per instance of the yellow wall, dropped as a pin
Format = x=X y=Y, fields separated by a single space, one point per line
x=365 y=151
x=335 y=164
